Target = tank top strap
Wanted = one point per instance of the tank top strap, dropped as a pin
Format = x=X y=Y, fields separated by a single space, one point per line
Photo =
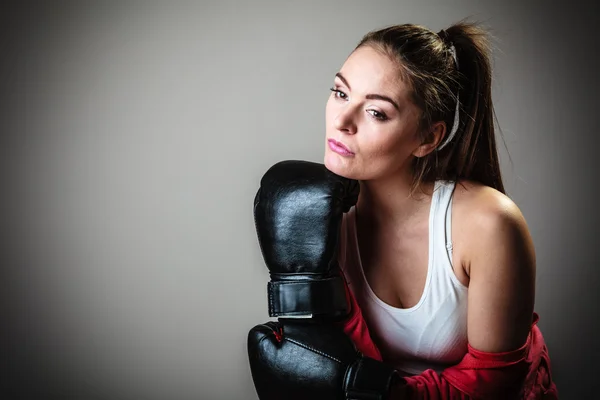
x=442 y=224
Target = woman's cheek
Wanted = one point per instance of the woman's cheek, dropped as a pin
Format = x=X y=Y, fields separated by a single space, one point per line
x=330 y=112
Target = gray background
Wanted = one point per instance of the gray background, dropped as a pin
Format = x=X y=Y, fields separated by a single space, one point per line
x=133 y=138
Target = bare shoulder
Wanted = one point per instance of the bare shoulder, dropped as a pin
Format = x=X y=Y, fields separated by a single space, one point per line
x=484 y=199
x=489 y=222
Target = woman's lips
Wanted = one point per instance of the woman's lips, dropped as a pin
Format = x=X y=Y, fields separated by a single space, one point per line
x=339 y=148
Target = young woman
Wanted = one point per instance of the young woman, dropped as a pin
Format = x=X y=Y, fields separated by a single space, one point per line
x=438 y=258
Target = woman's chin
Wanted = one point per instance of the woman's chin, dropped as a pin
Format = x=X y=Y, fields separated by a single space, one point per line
x=338 y=165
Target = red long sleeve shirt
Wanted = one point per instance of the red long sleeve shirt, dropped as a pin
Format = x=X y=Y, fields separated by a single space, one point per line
x=523 y=374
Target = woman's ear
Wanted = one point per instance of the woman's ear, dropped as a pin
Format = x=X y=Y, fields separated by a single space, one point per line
x=437 y=133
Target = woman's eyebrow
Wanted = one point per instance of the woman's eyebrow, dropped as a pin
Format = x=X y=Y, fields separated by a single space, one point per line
x=339 y=75
x=384 y=98
x=370 y=96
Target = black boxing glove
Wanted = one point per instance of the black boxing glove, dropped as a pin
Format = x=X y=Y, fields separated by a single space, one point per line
x=298 y=211
x=300 y=360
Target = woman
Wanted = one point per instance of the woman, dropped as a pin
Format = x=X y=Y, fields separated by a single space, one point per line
x=438 y=258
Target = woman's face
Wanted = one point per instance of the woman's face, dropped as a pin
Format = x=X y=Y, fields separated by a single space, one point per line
x=371 y=125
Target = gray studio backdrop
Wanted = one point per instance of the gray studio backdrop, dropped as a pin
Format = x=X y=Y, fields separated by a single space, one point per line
x=134 y=137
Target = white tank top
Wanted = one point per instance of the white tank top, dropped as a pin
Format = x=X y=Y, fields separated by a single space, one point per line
x=433 y=333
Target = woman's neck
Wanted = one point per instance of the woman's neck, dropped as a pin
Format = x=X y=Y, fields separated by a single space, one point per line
x=390 y=200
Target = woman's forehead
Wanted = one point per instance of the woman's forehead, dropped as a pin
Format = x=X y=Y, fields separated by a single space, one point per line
x=368 y=69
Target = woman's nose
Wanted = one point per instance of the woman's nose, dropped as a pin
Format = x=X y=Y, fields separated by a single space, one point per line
x=345 y=120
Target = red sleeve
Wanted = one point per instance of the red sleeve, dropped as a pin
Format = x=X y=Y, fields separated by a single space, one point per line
x=479 y=375
x=520 y=374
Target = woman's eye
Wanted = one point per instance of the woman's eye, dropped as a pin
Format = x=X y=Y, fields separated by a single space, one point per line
x=339 y=94
x=377 y=115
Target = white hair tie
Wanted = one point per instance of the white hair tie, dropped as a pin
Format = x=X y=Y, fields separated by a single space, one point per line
x=456 y=112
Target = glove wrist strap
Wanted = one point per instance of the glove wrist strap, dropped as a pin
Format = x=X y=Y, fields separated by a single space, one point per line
x=369 y=379
x=308 y=298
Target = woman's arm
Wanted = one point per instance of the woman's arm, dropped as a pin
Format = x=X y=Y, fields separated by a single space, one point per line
x=500 y=262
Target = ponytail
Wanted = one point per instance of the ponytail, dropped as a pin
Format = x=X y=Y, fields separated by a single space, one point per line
x=474 y=155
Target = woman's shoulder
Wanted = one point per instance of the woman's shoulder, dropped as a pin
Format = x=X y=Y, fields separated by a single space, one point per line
x=488 y=221
x=477 y=201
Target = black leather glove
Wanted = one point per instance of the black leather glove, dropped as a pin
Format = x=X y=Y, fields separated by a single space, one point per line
x=298 y=212
x=302 y=360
